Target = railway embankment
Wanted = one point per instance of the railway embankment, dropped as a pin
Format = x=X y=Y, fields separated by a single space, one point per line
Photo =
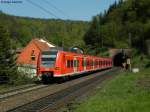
x=54 y=94
x=127 y=92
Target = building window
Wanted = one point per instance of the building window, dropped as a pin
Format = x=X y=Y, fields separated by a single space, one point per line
x=32 y=55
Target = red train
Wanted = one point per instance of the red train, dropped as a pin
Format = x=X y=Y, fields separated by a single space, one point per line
x=62 y=64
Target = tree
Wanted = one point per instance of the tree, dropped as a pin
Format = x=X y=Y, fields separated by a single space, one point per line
x=7 y=56
x=121 y=19
x=92 y=36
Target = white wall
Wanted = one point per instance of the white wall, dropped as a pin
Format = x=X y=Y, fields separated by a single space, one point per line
x=30 y=70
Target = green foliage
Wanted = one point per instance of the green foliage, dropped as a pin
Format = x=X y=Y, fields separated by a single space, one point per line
x=123 y=20
x=60 y=32
x=7 y=56
x=8 y=67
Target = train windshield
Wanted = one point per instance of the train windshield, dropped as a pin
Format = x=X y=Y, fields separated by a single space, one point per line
x=48 y=58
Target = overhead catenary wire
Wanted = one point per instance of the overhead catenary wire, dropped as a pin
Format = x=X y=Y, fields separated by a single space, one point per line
x=59 y=10
x=40 y=7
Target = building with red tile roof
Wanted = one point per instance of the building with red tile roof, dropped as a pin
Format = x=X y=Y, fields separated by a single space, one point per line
x=29 y=54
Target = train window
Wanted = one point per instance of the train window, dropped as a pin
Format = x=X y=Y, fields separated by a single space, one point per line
x=83 y=62
x=71 y=62
x=90 y=62
x=68 y=63
x=48 y=58
x=75 y=63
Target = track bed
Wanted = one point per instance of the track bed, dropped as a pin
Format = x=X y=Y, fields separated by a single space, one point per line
x=61 y=94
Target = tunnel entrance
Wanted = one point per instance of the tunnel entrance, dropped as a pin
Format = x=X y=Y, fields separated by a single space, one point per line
x=119 y=59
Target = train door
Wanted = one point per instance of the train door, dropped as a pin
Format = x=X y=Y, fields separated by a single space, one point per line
x=67 y=65
x=84 y=63
x=93 y=64
x=75 y=64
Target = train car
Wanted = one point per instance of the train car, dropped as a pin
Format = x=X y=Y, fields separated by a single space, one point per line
x=62 y=64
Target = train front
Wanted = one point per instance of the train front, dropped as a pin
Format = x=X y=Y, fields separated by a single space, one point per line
x=47 y=65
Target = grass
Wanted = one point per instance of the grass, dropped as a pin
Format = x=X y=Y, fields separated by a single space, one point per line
x=127 y=92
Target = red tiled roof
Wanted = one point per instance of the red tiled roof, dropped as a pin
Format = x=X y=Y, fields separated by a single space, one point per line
x=40 y=45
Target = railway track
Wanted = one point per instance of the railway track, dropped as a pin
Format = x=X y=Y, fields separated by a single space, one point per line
x=53 y=102
x=20 y=90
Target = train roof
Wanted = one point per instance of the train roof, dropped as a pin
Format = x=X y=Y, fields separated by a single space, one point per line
x=62 y=50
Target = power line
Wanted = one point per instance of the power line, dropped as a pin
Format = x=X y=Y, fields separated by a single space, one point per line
x=40 y=7
x=52 y=5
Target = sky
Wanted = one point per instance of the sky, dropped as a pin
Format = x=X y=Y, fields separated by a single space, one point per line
x=59 y=9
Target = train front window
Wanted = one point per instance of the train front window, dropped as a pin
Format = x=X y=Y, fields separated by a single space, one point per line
x=48 y=58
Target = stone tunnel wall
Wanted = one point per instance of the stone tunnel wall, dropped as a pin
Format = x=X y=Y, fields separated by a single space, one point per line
x=119 y=56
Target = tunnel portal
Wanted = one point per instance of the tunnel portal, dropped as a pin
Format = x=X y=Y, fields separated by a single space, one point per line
x=119 y=59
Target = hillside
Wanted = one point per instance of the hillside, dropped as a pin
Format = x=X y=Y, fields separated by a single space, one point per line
x=126 y=24
x=60 y=32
